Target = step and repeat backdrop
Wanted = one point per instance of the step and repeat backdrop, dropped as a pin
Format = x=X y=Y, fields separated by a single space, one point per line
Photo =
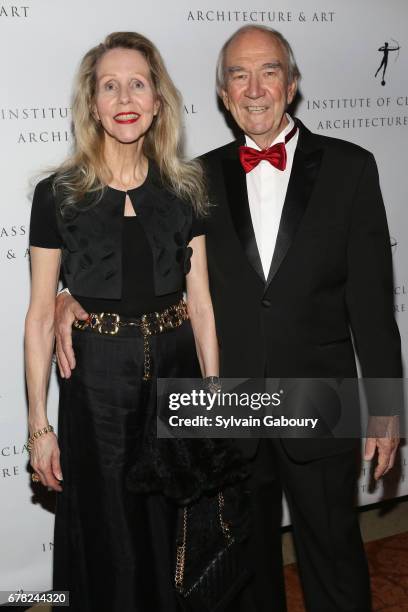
x=353 y=55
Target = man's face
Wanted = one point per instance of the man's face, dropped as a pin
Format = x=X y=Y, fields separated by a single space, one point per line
x=257 y=90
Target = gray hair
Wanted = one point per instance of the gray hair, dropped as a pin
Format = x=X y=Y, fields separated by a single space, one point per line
x=293 y=70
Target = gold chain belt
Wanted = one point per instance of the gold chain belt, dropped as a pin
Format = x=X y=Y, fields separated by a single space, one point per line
x=149 y=324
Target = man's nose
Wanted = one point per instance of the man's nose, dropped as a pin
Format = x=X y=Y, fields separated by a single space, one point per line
x=254 y=88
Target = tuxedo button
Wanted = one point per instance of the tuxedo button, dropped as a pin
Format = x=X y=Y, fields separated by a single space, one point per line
x=266 y=303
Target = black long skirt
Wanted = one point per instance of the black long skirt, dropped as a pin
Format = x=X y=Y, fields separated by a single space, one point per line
x=114 y=549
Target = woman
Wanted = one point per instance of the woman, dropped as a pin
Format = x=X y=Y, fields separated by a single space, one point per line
x=122 y=218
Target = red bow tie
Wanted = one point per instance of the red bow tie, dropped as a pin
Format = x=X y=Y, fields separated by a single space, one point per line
x=275 y=155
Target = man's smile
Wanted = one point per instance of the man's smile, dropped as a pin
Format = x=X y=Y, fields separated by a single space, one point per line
x=256 y=109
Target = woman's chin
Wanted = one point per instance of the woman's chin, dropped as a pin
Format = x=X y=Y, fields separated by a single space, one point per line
x=126 y=138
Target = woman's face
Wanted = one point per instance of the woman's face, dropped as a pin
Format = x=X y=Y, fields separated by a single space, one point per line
x=125 y=100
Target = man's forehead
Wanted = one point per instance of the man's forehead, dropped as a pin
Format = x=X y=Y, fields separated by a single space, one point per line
x=246 y=49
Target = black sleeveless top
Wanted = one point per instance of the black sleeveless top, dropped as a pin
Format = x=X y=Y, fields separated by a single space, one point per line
x=138 y=292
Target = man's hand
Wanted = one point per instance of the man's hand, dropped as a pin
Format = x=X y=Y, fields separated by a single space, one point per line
x=383 y=434
x=67 y=309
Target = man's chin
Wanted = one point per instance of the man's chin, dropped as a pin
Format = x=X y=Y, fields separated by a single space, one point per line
x=265 y=131
x=259 y=131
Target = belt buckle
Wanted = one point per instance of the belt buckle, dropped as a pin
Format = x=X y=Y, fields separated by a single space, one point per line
x=108 y=325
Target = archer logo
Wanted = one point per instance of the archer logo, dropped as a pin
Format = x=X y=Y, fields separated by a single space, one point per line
x=386 y=49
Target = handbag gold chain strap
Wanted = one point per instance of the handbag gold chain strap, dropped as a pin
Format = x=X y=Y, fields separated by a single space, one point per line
x=181 y=549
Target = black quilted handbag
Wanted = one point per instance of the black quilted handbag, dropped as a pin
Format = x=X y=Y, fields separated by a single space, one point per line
x=210 y=567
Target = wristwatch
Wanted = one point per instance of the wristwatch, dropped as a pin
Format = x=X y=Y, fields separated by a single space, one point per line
x=65 y=290
x=212 y=384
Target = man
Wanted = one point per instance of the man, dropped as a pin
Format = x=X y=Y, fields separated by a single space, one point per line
x=298 y=253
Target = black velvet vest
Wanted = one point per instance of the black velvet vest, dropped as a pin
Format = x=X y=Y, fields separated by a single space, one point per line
x=92 y=239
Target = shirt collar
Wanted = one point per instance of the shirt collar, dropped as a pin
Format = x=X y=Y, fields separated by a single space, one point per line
x=280 y=137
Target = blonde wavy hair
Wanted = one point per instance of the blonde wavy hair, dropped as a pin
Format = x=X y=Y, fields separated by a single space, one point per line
x=86 y=171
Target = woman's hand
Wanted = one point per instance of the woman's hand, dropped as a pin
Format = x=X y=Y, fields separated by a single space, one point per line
x=67 y=309
x=45 y=460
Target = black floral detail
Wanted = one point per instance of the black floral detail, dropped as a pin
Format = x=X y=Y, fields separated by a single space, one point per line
x=183 y=257
x=184 y=470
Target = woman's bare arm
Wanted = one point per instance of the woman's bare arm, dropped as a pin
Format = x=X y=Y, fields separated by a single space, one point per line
x=39 y=344
x=200 y=309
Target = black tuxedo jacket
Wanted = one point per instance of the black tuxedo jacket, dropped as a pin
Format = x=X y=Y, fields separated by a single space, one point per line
x=331 y=273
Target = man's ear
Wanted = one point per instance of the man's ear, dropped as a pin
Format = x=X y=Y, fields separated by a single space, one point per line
x=292 y=89
x=225 y=98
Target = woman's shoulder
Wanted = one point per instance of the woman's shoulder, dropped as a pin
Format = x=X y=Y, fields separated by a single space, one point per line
x=45 y=187
x=43 y=221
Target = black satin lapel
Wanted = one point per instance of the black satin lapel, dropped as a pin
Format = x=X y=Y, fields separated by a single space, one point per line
x=237 y=194
x=302 y=179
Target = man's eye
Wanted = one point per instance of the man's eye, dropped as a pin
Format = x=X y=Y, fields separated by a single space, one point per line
x=270 y=73
x=240 y=77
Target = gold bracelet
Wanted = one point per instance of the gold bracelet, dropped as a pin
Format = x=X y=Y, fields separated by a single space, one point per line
x=38 y=434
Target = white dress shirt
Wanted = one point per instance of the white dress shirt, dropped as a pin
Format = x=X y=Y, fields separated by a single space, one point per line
x=267 y=187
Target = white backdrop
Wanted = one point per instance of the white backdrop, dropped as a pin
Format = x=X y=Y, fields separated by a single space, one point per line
x=336 y=44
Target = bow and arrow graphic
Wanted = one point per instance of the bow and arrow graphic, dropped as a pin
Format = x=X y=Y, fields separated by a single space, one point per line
x=386 y=50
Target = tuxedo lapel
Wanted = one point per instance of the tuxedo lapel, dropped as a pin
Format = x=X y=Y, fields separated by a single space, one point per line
x=305 y=168
x=237 y=195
